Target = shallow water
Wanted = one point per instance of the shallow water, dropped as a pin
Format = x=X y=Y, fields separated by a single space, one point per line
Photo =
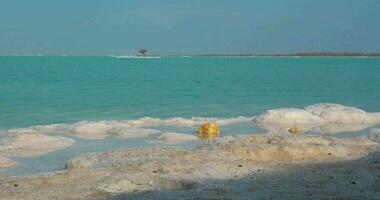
x=48 y=90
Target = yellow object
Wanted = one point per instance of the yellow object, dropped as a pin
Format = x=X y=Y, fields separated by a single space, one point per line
x=208 y=131
x=295 y=131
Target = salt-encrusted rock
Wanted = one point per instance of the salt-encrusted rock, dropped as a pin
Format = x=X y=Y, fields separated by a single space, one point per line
x=339 y=114
x=120 y=187
x=122 y=157
x=322 y=129
x=258 y=148
x=90 y=130
x=45 y=129
x=6 y=162
x=102 y=129
x=41 y=129
x=288 y=116
x=322 y=118
x=257 y=166
x=305 y=148
x=32 y=144
x=174 y=138
x=339 y=128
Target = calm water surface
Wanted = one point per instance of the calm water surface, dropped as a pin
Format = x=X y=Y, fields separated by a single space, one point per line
x=45 y=90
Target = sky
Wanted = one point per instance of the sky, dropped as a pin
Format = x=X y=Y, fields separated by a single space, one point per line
x=115 y=27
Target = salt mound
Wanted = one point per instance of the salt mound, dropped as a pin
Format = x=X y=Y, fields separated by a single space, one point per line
x=339 y=128
x=6 y=162
x=91 y=130
x=322 y=118
x=21 y=130
x=335 y=113
x=42 y=129
x=31 y=144
x=288 y=116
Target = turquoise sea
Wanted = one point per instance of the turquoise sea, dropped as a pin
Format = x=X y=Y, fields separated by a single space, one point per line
x=42 y=90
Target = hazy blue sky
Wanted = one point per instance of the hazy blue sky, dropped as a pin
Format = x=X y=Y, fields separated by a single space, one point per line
x=100 y=27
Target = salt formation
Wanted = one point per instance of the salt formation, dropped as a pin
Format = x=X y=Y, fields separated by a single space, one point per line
x=32 y=144
x=6 y=162
x=256 y=166
x=288 y=116
x=323 y=118
x=98 y=130
x=267 y=148
x=339 y=114
x=91 y=130
x=42 y=129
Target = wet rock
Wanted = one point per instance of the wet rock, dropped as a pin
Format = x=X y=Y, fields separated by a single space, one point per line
x=32 y=144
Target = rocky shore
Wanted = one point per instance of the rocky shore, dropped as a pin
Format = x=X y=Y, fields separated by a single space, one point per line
x=284 y=162
x=257 y=166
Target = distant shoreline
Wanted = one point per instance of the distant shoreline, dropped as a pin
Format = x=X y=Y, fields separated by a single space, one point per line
x=295 y=55
x=312 y=54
